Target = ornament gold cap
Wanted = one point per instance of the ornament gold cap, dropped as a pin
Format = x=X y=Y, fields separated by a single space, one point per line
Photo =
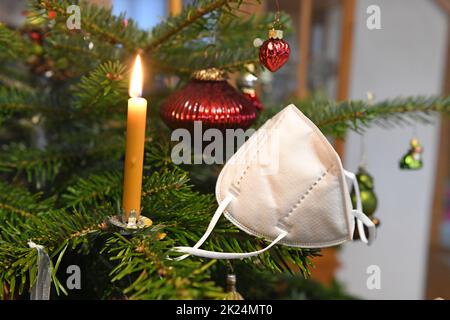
x=250 y=67
x=231 y=279
x=248 y=90
x=414 y=142
x=231 y=289
x=275 y=34
x=210 y=74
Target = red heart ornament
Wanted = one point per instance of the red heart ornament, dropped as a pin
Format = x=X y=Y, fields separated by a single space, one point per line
x=274 y=52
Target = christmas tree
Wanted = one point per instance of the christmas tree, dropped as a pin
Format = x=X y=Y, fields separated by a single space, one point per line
x=63 y=98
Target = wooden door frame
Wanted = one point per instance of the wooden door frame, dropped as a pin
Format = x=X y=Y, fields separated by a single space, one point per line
x=442 y=171
x=345 y=60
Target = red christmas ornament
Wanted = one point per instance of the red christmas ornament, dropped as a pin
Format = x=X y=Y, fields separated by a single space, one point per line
x=36 y=36
x=274 y=52
x=51 y=15
x=251 y=95
x=209 y=98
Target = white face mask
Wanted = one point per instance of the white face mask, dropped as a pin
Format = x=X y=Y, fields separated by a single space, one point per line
x=286 y=184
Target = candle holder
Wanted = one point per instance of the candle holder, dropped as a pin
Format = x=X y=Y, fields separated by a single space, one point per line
x=133 y=225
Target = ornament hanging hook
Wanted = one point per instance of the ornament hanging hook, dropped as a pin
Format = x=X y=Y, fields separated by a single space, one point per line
x=230 y=268
x=363 y=161
x=415 y=131
x=363 y=147
x=276 y=23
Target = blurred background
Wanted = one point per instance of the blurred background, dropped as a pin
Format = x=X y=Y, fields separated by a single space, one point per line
x=335 y=54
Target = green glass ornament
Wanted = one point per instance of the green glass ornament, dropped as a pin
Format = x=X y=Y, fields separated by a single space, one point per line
x=366 y=188
x=412 y=160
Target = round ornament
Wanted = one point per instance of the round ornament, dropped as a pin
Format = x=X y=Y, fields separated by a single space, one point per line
x=208 y=98
x=368 y=197
x=247 y=84
x=51 y=15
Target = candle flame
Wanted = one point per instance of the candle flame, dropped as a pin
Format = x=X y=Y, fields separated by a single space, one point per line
x=136 y=79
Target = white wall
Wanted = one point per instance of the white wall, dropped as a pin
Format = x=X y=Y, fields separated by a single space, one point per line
x=406 y=57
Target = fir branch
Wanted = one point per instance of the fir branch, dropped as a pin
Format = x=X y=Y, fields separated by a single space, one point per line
x=98 y=188
x=85 y=54
x=15 y=77
x=12 y=44
x=102 y=89
x=15 y=101
x=97 y=22
x=18 y=202
x=37 y=165
x=173 y=25
x=9 y=208
x=165 y=183
x=26 y=102
x=230 y=59
x=94 y=189
x=10 y=272
x=41 y=166
x=191 y=51
x=54 y=230
x=192 y=16
x=151 y=275
x=335 y=118
x=357 y=115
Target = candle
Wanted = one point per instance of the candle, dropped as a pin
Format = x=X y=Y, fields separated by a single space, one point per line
x=134 y=156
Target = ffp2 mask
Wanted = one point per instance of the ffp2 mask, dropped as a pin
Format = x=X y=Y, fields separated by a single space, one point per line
x=286 y=184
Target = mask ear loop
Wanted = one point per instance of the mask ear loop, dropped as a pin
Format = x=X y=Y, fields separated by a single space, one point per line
x=220 y=255
x=361 y=218
x=223 y=205
x=228 y=255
